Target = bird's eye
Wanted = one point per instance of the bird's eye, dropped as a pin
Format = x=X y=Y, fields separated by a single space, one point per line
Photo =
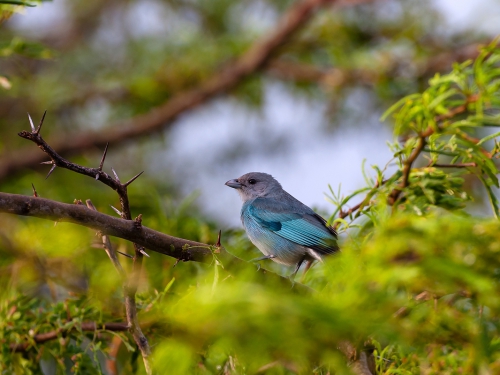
x=252 y=181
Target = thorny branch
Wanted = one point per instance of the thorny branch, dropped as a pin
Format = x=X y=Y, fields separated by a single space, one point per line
x=47 y=209
x=179 y=248
x=130 y=287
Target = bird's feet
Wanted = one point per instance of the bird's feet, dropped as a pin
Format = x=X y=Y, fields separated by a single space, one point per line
x=255 y=260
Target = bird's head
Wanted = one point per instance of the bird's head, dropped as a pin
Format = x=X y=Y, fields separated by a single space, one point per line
x=255 y=184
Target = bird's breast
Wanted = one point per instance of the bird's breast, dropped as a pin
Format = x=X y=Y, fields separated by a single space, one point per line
x=269 y=243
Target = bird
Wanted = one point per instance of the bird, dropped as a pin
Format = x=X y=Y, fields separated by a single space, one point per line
x=284 y=229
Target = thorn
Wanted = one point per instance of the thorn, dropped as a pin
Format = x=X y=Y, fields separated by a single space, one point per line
x=97 y=176
x=126 y=255
x=31 y=123
x=138 y=222
x=176 y=263
x=78 y=202
x=116 y=176
x=103 y=157
x=116 y=210
x=141 y=250
x=41 y=123
x=218 y=239
x=50 y=162
x=51 y=170
x=35 y=194
x=132 y=179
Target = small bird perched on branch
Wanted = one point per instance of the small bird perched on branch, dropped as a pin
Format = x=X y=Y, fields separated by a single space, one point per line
x=283 y=229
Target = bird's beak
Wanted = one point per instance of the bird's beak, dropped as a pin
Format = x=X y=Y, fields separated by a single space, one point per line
x=234 y=184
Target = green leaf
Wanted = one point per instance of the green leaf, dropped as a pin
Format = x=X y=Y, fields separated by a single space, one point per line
x=487 y=138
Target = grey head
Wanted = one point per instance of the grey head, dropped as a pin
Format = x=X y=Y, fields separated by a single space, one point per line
x=255 y=184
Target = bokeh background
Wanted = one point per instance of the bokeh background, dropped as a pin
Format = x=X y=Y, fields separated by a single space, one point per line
x=310 y=118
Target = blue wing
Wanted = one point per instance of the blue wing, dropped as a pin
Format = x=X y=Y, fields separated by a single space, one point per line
x=294 y=222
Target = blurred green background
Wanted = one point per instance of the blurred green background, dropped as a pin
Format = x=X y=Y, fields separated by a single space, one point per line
x=310 y=116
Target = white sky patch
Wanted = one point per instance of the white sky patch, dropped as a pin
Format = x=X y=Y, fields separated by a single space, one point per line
x=477 y=15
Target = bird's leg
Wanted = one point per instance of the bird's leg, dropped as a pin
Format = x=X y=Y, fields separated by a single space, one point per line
x=292 y=276
x=261 y=258
x=308 y=265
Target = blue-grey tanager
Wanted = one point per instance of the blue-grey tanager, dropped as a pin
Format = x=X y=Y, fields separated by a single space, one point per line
x=283 y=229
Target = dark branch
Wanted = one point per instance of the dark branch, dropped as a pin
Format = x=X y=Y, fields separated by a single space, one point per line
x=459 y=165
x=178 y=248
x=131 y=283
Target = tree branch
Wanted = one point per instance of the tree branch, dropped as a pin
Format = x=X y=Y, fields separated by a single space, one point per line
x=179 y=248
x=131 y=282
x=52 y=335
x=161 y=117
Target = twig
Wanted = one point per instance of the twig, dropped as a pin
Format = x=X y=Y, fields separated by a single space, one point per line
x=58 y=161
x=422 y=140
x=459 y=165
x=407 y=164
x=52 y=335
x=131 y=282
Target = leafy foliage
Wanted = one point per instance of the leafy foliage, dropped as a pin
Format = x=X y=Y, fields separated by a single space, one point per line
x=416 y=285
x=26 y=320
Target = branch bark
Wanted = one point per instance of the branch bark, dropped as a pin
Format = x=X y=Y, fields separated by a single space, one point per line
x=179 y=248
x=161 y=117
